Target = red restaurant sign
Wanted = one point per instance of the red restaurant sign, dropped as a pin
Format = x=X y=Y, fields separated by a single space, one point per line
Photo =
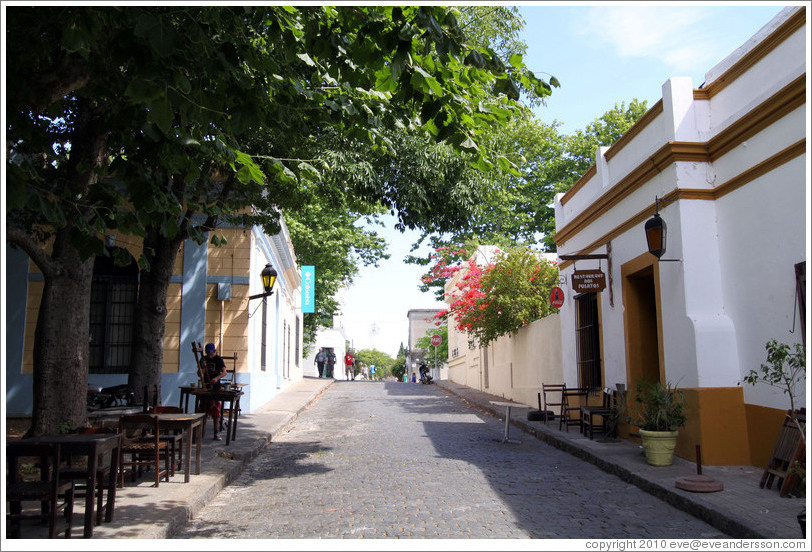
x=584 y=281
x=556 y=297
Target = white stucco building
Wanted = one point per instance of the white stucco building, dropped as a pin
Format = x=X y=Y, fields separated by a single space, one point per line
x=728 y=162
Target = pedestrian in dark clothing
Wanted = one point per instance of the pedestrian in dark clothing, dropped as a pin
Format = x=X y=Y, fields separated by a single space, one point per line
x=331 y=362
x=215 y=367
x=320 y=359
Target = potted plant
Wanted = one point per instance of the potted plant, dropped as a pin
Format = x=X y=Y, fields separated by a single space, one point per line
x=659 y=410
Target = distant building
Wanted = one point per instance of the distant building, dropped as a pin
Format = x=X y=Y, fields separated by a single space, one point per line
x=333 y=337
x=420 y=322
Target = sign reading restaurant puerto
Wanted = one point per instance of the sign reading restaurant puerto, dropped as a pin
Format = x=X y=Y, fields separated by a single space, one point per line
x=308 y=289
x=584 y=281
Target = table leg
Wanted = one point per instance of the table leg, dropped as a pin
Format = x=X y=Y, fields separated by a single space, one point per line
x=199 y=446
x=90 y=498
x=235 y=411
x=187 y=461
x=112 y=484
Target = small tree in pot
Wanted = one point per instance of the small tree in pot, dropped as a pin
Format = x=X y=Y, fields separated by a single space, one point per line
x=659 y=411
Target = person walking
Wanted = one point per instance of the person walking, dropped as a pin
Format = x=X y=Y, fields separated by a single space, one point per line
x=320 y=360
x=349 y=365
x=215 y=367
x=331 y=362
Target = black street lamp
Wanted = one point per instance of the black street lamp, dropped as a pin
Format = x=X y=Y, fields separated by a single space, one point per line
x=268 y=275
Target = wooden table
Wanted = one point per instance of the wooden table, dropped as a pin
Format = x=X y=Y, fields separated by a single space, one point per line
x=92 y=446
x=231 y=397
x=187 y=423
x=508 y=405
x=185 y=391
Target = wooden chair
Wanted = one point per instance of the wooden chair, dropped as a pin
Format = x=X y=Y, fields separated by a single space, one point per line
x=552 y=394
x=568 y=405
x=47 y=489
x=604 y=411
x=174 y=439
x=141 y=439
x=788 y=449
x=203 y=377
x=78 y=474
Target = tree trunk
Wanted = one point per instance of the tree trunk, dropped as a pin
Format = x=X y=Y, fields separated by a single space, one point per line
x=61 y=343
x=150 y=315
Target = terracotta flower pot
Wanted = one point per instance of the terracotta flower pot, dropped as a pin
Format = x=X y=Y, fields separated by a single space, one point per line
x=659 y=446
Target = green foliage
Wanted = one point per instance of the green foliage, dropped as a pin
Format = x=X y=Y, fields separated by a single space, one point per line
x=424 y=344
x=786 y=370
x=658 y=407
x=383 y=363
x=499 y=298
x=517 y=210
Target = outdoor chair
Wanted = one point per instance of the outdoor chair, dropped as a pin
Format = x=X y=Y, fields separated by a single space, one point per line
x=174 y=438
x=552 y=396
x=570 y=404
x=54 y=494
x=603 y=411
x=78 y=474
x=141 y=440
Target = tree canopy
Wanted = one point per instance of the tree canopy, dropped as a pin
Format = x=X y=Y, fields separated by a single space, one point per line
x=139 y=118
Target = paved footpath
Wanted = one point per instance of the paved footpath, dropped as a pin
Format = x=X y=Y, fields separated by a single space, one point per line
x=390 y=460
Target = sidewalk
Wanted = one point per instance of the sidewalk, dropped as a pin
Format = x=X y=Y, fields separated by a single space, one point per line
x=741 y=510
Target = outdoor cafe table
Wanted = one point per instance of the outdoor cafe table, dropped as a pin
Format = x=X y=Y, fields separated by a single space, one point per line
x=231 y=397
x=187 y=423
x=508 y=405
x=92 y=446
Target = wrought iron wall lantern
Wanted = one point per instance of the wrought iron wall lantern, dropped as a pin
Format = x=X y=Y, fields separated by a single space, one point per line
x=268 y=276
x=656 y=231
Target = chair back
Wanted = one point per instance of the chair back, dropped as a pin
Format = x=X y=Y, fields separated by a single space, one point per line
x=203 y=376
x=48 y=462
x=136 y=426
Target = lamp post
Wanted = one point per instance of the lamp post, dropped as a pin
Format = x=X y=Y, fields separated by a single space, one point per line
x=268 y=276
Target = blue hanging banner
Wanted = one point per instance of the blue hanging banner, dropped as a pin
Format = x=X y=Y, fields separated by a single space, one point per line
x=308 y=289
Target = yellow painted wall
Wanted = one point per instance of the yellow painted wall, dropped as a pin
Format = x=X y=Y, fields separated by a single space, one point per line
x=172 y=330
x=232 y=325
x=718 y=423
x=764 y=425
x=234 y=258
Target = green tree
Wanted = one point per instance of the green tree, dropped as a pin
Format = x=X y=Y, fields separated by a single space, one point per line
x=518 y=211
x=173 y=122
x=372 y=357
x=430 y=352
x=496 y=299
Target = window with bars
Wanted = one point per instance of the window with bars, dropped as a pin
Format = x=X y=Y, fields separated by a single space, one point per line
x=113 y=297
x=587 y=341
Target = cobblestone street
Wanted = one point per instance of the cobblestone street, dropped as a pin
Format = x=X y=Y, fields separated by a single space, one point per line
x=397 y=460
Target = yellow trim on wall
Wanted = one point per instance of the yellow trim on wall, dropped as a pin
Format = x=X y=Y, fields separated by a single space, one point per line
x=779 y=35
x=771 y=163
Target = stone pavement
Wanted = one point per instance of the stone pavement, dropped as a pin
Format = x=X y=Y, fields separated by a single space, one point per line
x=741 y=510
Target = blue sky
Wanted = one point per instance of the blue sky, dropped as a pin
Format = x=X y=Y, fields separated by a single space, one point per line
x=603 y=54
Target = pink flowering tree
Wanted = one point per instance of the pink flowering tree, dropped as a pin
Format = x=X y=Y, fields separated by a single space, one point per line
x=496 y=299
